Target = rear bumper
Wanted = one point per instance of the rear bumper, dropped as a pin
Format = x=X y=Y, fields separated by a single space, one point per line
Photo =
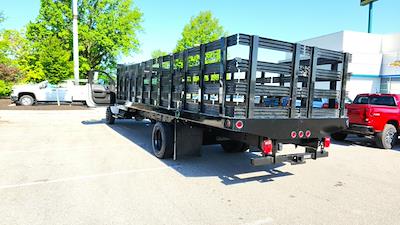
x=292 y=158
x=360 y=129
x=280 y=129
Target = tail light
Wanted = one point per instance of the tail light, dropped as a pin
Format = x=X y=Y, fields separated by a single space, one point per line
x=293 y=134
x=367 y=113
x=326 y=105
x=308 y=134
x=267 y=147
x=301 y=134
x=327 y=142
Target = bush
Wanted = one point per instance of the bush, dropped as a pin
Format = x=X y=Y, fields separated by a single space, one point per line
x=5 y=88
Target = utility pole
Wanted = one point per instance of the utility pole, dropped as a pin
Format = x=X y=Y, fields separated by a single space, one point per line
x=75 y=40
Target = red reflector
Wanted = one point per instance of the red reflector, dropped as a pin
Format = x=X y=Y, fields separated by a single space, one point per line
x=293 y=134
x=308 y=133
x=239 y=124
x=267 y=147
x=327 y=142
x=301 y=134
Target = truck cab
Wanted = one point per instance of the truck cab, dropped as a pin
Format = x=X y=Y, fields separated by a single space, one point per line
x=376 y=115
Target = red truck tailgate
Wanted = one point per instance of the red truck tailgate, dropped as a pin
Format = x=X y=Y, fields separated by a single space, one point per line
x=357 y=113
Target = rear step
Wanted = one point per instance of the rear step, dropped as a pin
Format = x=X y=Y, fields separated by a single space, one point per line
x=292 y=158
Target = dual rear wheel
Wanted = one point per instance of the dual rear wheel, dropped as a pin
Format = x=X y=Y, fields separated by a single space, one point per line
x=163 y=138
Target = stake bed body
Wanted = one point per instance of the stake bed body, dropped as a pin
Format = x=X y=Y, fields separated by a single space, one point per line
x=242 y=100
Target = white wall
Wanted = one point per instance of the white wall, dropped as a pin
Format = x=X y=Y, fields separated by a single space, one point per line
x=365 y=49
x=372 y=55
x=391 y=51
x=330 y=41
x=366 y=52
x=359 y=85
x=394 y=87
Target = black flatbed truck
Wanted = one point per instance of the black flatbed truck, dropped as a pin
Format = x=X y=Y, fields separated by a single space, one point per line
x=200 y=96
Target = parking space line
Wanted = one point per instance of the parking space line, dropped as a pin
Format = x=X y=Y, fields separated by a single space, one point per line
x=63 y=149
x=267 y=220
x=60 y=180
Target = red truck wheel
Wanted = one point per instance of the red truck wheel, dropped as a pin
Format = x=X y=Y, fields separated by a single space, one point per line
x=387 y=138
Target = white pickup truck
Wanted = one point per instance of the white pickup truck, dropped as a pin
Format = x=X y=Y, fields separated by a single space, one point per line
x=97 y=91
x=29 y=94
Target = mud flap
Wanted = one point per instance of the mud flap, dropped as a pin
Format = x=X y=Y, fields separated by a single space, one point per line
x=188 y=140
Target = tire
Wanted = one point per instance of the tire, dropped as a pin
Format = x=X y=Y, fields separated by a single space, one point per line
x=26 y=100
x=234 y=146
x=387 y=138
x=109 y=116
x=339 y=136
x=162 y=140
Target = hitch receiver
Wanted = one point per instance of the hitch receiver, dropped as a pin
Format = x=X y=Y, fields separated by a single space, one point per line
x=292 y=158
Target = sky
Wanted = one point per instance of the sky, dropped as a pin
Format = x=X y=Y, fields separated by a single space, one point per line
x=290 y=20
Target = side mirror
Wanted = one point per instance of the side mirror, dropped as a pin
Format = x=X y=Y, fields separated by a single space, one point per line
x=42 y=86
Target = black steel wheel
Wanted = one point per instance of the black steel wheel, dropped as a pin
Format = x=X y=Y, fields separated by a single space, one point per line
x=339 y=136
x=234 y=146
x=387 y=138
x=109 y=116
x=162 y=140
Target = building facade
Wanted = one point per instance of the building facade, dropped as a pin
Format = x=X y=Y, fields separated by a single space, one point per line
x=373 y=56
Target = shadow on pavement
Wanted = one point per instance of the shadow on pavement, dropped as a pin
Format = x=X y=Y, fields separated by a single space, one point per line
x=230 y=168
x=354 y=140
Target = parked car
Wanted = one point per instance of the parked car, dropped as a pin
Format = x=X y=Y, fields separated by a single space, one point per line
x=325 y=104
x=376 y=115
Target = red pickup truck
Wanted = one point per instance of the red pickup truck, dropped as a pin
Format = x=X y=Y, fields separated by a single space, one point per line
x=375 y=115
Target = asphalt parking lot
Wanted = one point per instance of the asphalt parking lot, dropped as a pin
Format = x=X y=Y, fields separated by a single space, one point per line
x=69 y=167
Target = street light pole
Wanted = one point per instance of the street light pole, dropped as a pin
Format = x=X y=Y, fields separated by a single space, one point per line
x=371 y=7
x=75 y=40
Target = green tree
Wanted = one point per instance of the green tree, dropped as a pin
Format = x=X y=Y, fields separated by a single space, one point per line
x=201 y=29
x=11 y=43
x=107 y=28
x=157 y=53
